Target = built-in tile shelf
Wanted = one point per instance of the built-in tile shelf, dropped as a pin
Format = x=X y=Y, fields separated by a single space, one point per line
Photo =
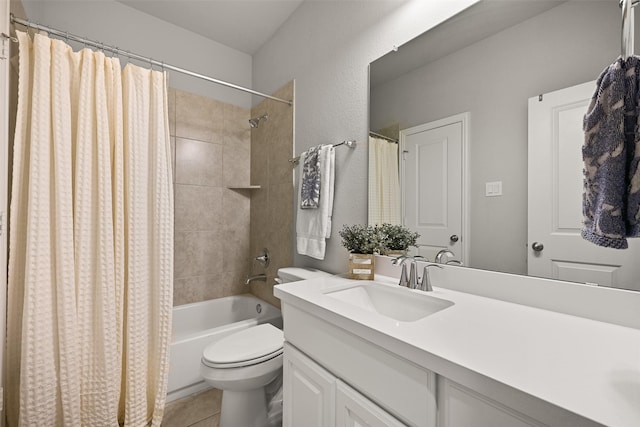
x=244 y=187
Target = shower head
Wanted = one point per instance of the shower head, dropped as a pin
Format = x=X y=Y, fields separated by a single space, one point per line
x=256 y=120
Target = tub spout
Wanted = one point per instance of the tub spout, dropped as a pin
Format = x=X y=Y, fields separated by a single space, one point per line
x=260 y=277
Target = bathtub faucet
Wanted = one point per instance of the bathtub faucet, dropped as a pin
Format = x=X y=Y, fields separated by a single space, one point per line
x=261 y=277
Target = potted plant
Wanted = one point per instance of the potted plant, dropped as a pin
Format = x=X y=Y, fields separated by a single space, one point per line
x=362 y=242
x=362 y=239
x=397 y=239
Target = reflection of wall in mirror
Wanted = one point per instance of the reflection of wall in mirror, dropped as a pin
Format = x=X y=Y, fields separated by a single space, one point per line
x=493 y=79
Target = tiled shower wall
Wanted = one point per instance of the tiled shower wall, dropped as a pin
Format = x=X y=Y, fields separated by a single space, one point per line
x=272 y=204
x=211 y=142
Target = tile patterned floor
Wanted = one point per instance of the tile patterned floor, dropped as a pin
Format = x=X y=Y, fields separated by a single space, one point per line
x=198 y=410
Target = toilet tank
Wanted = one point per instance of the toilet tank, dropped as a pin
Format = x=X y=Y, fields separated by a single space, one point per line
x=294 y=274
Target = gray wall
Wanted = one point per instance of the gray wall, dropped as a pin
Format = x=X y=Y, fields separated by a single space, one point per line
x=327 y=47
x=115 y=24
x=493 y=79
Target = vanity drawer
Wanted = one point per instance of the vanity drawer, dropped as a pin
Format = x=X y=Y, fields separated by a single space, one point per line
x=400 y=387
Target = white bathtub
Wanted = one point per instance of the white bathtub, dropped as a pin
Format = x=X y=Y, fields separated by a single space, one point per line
x=197 y=325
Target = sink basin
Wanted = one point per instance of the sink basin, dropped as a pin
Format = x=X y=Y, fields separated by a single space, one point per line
x=396 y=303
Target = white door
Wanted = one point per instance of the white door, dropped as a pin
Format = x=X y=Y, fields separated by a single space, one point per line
x=433 y=181
x=556 y=249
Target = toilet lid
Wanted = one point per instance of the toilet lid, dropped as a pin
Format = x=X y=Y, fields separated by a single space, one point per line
x=246 y=347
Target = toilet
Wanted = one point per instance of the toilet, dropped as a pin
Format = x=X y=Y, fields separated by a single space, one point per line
x=244 y=363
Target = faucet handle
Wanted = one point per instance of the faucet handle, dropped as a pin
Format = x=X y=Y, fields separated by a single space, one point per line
x=404 y=281
x=413 y=277
x=263 y=258
x=425 y=285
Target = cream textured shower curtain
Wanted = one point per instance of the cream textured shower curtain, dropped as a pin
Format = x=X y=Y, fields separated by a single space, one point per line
x=384 y=182
x=91 y=241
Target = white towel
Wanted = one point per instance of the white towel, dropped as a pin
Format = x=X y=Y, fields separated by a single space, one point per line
x=313 y=226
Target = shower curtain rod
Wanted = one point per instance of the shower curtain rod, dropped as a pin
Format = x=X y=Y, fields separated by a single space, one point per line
x=151 y=61
x=377 y=135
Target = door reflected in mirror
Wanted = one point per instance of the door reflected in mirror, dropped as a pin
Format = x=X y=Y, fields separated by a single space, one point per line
x=491 y=61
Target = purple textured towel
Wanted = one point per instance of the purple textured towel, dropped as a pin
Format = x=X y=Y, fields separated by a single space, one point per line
x=611 y=150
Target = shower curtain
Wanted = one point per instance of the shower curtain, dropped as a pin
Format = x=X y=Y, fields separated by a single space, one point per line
x=91 y=241
x=384 y=182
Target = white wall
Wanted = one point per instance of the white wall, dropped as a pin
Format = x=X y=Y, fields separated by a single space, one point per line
x=326 y=46
x=493 y=79
x=115 y=24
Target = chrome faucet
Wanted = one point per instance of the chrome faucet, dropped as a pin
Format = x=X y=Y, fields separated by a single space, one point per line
x=425 y=285
x=260 y=277
x=443 y=253
x=412 y=281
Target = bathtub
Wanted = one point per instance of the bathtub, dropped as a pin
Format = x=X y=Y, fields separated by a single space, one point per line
x=197 y=325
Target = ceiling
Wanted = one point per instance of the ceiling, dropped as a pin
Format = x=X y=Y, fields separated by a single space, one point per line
x=244 y=25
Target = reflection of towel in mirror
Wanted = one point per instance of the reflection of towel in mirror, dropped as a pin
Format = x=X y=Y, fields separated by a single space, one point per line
x=311 y=182
x=611 y=150
x=313 y=226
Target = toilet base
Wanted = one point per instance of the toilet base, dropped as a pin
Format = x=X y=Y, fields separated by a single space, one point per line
x=243 y=408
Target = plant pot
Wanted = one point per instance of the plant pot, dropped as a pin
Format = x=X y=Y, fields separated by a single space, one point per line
x=361 y=266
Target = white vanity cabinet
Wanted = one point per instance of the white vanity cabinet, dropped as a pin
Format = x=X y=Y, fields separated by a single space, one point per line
x=397 y=389
x=313 y=397
x=335 y=378
x=480 y=362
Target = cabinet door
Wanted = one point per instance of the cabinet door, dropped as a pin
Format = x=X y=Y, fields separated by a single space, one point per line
x=309 y=391
x=355 y=410
x=459 y=406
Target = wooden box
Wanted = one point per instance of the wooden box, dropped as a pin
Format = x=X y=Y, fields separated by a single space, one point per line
x=361 y=266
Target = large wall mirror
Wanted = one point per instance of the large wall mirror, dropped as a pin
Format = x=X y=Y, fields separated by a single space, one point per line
x=480 y=77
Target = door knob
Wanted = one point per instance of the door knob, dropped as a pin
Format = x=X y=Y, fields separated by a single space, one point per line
x=537 y=246
x=454 y=238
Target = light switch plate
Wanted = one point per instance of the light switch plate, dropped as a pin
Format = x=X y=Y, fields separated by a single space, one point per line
x=493 y=189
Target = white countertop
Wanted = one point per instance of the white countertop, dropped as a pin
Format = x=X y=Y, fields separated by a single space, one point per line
x=587 y=367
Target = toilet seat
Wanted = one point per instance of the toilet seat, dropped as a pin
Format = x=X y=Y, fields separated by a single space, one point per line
x=245 y=348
